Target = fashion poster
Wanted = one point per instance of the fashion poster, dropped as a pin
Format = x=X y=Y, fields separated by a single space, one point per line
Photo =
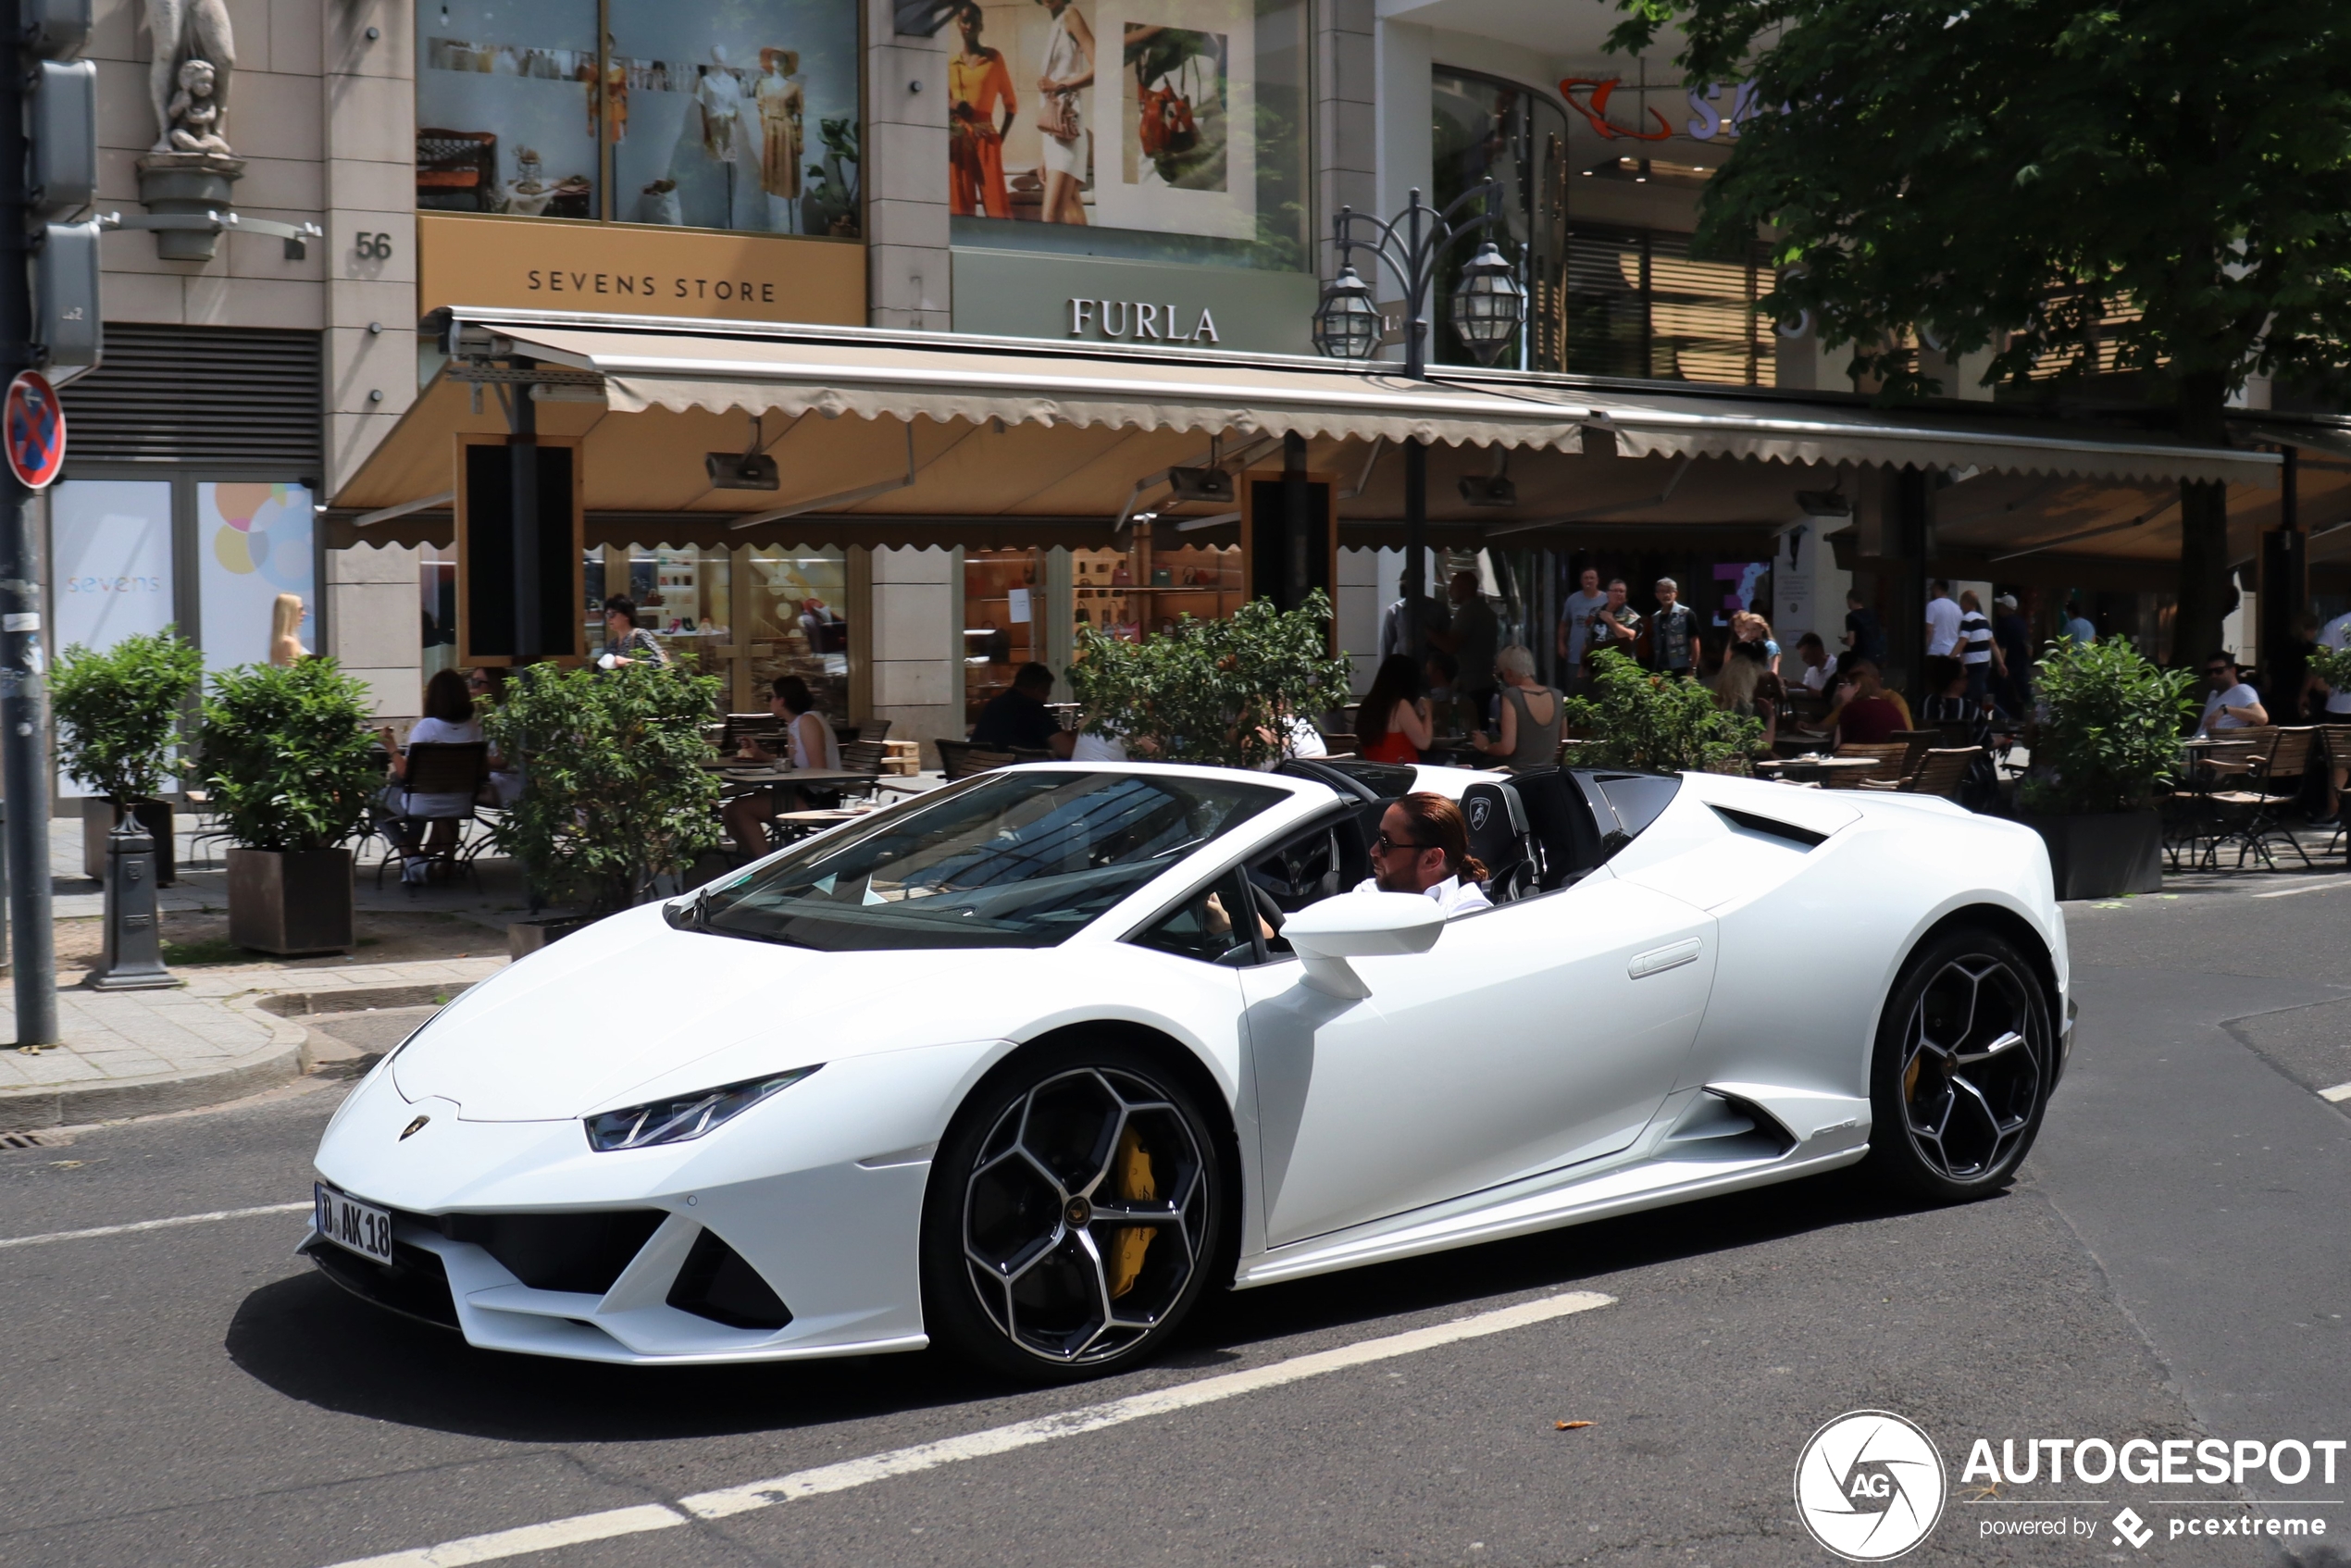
x=1181 y=152
x=1022 y=89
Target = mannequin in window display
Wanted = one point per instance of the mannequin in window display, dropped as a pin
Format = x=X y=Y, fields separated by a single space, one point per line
x=977 y=84
x=727 y=133
x=781 y=106
x=1068 y=69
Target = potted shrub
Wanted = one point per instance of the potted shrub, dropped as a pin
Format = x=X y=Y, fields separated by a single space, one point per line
x=118 y=721
x=1211 y=691
x=613 y=791
x=1657 y=724
x=286 y=755
x=2108 y=737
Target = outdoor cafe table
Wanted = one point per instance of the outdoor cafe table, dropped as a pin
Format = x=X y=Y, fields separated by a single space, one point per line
x=823 y=778
x=1808 y=769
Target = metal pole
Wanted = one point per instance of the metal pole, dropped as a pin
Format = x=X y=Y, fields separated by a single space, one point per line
x=522 y=455
x=24 y=727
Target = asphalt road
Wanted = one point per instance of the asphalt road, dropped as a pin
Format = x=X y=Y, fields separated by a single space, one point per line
x=2175 y=1266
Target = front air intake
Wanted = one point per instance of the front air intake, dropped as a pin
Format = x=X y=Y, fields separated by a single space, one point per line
x=717 y=1284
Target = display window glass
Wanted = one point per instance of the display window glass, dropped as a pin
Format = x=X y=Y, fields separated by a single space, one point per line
x=111 y=541
x=746 y=615
x=254 y=542
x=1157 y=129
x=742 y=115
x=1488 y=128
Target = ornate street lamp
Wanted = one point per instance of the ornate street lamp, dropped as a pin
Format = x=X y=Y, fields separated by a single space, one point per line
x=1489 y=306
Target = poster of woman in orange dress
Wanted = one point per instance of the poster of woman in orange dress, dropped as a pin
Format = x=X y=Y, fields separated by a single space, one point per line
x=977 y=84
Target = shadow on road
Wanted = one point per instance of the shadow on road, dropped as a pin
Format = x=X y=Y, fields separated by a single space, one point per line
x=311 y=1342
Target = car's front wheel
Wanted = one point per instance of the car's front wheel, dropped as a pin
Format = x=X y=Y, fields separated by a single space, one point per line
x=1073 y=1215
x=1964 y=1064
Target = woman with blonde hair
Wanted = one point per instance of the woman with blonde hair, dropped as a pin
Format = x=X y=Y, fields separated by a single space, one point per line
x=285 y=632
x=1531 y=715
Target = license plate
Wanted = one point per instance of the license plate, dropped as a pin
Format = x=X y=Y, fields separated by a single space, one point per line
x=346 y=1222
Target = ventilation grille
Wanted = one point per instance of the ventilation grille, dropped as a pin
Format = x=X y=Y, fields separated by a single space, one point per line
x=223 y=397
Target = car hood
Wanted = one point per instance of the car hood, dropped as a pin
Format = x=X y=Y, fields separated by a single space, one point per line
x=631 y=1003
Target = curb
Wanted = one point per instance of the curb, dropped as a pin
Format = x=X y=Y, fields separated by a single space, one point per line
x=79 y=1104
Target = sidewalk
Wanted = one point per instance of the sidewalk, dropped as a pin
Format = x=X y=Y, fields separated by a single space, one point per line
x=227 y=1033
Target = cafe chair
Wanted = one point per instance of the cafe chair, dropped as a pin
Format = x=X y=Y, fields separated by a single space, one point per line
x=2273 y=781
x=1891 y=755
x=865 y=757
x=1942 y=772
x=960 y=759
x=457 y=770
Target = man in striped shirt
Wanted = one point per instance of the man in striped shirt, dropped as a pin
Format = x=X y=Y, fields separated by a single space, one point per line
x=1977 y=651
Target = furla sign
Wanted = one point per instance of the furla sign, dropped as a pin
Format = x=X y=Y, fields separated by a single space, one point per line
x=1109 y=321
x=1092 y=299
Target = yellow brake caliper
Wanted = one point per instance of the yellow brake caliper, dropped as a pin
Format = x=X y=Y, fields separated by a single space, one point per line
x=1131 y=1176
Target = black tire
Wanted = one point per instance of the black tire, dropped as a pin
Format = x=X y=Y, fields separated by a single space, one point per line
x=1075 y=1211
x=1955 y=1102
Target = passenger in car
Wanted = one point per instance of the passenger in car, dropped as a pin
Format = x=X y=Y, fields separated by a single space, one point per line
x=1423 y=847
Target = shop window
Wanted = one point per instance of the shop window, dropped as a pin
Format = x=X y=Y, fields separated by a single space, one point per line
x=255 y=543
x=1175 y=135
x=437 y=601
x=742 y=117
x=746 y=615
x=1488 y=128
x=111 y=539
x=1005 y=606
x=1639 y=305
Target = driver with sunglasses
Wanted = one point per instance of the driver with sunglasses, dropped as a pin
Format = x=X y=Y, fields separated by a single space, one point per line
x=1423 y=847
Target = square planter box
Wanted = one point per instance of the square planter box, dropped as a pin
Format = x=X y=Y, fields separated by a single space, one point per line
x=290 y=901
x=99 y=814
x=527 y=937
x=2105 y=854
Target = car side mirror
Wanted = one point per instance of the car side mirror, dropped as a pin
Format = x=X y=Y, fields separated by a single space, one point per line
x=1326 y=935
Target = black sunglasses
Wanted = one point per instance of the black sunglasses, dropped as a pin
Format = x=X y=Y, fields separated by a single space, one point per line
x=1384 y=843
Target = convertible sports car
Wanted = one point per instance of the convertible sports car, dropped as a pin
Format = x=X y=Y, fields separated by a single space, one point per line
x=1029 y=1063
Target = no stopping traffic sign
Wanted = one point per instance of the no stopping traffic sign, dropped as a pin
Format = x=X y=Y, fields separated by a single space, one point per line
x=33 y=427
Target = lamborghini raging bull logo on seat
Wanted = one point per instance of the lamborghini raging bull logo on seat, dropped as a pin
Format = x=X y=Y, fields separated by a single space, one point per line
x=1479 y=810
x=413 y=1129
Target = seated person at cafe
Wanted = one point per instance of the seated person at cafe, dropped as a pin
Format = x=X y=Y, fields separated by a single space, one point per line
x=1820 y=665
x=1866 y=712
x=809 y=742
x=1017 y=718
x=1423 y=847
x=2234 y=704
x=449 y=721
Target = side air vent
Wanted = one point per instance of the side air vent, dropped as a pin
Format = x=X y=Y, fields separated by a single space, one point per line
x=1771 y=827
x=1717 y=1126
x=717 y=1284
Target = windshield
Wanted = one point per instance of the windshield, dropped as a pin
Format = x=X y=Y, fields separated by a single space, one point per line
x=1020 y=859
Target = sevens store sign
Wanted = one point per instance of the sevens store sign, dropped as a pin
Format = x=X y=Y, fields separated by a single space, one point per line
x=32 y=423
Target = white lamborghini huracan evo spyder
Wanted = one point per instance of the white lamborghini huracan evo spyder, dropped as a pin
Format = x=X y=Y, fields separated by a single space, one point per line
x=1027 y=1063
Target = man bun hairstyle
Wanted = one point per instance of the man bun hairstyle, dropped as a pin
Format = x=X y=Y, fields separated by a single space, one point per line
x=1438 y=822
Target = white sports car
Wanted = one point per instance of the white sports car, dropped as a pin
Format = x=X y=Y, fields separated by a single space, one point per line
x=1027 y=1063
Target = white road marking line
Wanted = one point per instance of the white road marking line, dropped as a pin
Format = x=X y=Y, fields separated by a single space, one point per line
x=302 y=1208
x=531 y=1537
x=977 y=1445
x=2336 y=1095
x=2306 y=888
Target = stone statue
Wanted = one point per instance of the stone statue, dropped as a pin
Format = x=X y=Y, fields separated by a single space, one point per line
x=186 y=32
x=195 y=112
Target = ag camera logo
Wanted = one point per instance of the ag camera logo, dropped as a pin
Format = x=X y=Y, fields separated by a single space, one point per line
x=1870 y=1485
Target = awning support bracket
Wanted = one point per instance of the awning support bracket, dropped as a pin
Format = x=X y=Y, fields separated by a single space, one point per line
x=845 y=498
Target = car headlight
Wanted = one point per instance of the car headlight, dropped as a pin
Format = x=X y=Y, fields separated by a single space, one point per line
x=686 y=1116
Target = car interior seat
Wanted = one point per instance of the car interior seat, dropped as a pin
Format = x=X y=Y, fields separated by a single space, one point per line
x=1564 y=829
x=1499 y=835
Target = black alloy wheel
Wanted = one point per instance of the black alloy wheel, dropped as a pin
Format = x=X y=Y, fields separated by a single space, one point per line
x=1965 y=1059
x=1073 y=1214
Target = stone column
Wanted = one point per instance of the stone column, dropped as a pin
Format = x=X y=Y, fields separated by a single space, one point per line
x=369 y=106
x=909 y=283
x=915 y=661
x=372 y=623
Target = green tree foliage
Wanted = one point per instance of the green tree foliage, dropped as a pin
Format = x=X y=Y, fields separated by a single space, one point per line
x=2333 y=665
x=1656 y=723
x=2112 y=730
x=118 y=711
x=286 y=754
x=2017 y=175
x=1211 y=691
x=613 y=791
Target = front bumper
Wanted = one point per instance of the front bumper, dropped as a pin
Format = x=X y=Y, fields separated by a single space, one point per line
x=521 y=1238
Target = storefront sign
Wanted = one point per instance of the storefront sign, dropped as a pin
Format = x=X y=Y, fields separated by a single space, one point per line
x=1709 y=116
x=1094 y=299
x=545 y=265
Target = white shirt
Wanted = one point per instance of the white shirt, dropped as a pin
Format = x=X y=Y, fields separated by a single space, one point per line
x=1452 y=895
x=1093 y=747
x=1942 y=627
x=2237 y=696
x=1817 y=676
x=1976 y=633
x=1575 y=613
x=438 y=732
x=2336 y=633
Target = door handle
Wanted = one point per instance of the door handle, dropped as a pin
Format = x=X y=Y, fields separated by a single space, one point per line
x=1658 y=960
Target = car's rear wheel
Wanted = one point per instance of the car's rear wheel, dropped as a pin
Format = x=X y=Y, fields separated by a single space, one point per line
x=1964 y=1064
x=1073 y=1214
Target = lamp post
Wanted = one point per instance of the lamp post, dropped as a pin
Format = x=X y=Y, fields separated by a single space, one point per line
x=1488 y=307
